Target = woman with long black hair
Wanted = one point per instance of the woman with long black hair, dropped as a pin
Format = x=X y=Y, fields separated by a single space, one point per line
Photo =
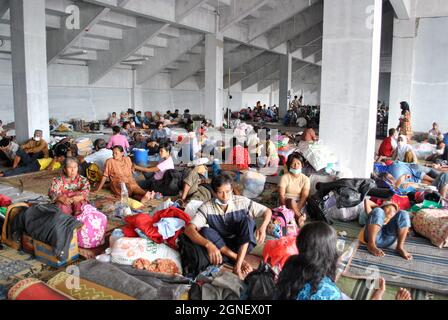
x=311 y=275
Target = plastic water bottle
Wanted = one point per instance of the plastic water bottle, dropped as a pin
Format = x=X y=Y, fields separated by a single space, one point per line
x=346 y=255
x=125 y=200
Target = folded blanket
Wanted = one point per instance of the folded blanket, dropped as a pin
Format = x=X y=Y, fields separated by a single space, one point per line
x=139 y=284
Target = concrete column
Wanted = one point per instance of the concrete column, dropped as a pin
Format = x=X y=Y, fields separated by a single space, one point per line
x=350 y=75
x=285 y=81
x=29 y=68
x=214 y=78
x=136 y=96
x=403 y=51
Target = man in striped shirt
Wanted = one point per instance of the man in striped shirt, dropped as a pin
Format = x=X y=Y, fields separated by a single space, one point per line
x=225 y=225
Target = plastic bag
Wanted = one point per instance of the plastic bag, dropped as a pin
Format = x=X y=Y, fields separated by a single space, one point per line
x=260 y=283
x=253 y=184
x=192 y=207
x=91 y=234
x=126 y=250
x=276 y=252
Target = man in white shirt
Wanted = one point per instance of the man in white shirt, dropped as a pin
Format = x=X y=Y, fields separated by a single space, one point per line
x=101 y=154
x=9 y=148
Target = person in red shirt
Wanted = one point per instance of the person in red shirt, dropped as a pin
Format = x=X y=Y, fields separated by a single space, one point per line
x=388 y=145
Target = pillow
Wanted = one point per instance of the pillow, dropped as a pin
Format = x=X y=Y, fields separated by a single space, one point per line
x=432 y=224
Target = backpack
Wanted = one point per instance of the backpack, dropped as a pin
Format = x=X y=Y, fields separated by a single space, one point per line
x=282 y=223
x=315 y=207
x=194 y=257
x=260 y=283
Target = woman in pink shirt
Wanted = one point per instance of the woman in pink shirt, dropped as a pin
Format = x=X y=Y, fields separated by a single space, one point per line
x=118 y=140
x=166 y=163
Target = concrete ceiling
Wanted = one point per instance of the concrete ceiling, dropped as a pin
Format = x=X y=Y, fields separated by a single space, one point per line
x=167 y=36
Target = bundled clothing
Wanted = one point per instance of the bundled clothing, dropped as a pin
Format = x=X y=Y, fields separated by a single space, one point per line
x=348 y=192
x=46 y=223
x=149 y=225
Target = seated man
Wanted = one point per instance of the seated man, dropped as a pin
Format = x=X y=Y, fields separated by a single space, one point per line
x=113 y=120
x=435 y=134
x=225 y=226
x=385 y=226
x=10 y=148
x=193 y=184
x=388 y=146
x=438 y=153
x=36 y=147
x=404 y=151
x=309 y=135
x=159 y=134
x=101 y=154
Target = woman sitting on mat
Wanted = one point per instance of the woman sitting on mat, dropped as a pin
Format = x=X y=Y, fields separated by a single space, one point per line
x=311 y=275
x=70 y=191
x=119 y=169
x=294 y=188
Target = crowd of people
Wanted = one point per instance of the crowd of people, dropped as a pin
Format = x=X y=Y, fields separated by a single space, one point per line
x=225 y=224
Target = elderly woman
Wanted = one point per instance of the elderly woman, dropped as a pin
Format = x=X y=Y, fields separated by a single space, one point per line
x=294 y=188
x=120 y=169
x=70 y=190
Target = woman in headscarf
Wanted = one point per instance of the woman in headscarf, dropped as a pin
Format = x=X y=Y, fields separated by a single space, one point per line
x=405 y=125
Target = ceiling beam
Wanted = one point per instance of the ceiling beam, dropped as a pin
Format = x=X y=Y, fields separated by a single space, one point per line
x=60 y=40
x=306 y=38
x=133 y=40
x=284 y=10
x=260 y=74
x=165 y=56
x=239 y=10
x=188 y=69
x=402 y=9
x=301 y=22
x=248 y=68
x=4 y=7
x=163 y=11
x=185 y=7
x=235 y=59
x=274 y=77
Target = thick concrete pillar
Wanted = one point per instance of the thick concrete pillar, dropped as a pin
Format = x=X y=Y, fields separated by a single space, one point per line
x=29 y=68
x=214 y=78
x=350 y=75
x=285 y=82
x=403 y=51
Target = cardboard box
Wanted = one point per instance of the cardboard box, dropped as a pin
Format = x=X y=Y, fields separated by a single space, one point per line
x=44 y=252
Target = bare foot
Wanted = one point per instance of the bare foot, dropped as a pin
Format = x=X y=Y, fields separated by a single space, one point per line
x=375 y=251
x=406 y=255
x=147 y=197
x=242 y=271
x=86 y=253
x=379 y=292
x=403 y=294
